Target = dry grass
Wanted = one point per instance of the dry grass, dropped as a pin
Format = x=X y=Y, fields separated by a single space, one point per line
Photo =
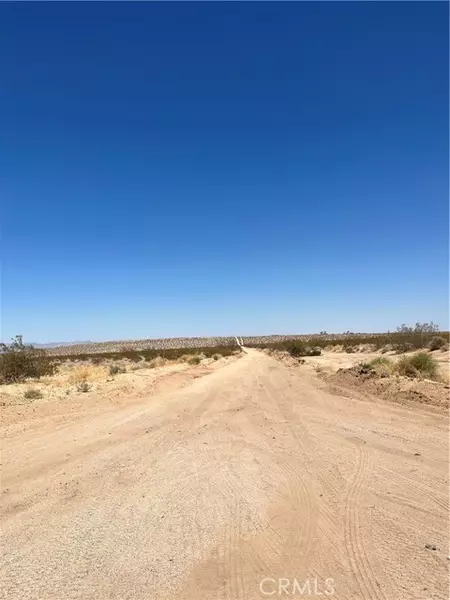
x=138 y=366
x=157 y=362
x=87 y=372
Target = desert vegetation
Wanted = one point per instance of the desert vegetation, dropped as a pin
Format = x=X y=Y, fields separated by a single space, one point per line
x=147 y=355
x=437 y=342
x=420 y=364
x=33 y=394
x=416 y=366
x=404 y=339
x=19 y=362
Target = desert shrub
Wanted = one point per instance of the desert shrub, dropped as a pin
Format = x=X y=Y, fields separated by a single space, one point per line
x=115 y=369
x=349 y=349
x=382 y=365
x=436 y=342
x=445 y=348
x=193 y=360
x=157 y=362
x=81 y=374
x=294 y=348
x=216 y=356
x=418 y=365
x=137 y=366
x=383 y=361
x=313 y=351
x=96 y=360
x=84 y=386
x=387 y=348
x=403 y=347
x=367 y=348
x=19 y=362
x=33 y=394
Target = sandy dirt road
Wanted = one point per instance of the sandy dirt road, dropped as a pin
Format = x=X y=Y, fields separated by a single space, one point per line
x=248 y=476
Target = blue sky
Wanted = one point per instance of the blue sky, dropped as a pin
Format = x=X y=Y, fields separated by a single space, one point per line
x=220 y=168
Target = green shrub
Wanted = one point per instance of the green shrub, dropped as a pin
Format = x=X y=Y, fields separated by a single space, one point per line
x=418 y=365
x=33 y=394
x=294 y=348
x=382 y=365
x=19 y=362
x=382 y=361
x=193 y=360
x=436 y=342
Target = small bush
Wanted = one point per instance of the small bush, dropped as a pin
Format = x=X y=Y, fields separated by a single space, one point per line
x=216 y=356
x=404 y=347
x=436 y=342
x=84 y=386
x=382 y=365
x=19 y=362
x=387 y=348
x=81 y=373
x=33 y=394
x=313 y=351
x=418 y=365
x=381 y=360
x=193 y=360
x=115 y=369
x=138 y=366
x=294 y=348
x=349 y=349
x=157 y=362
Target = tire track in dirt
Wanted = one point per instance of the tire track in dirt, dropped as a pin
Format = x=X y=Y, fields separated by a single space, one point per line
x=416 y=486
x=359 y=561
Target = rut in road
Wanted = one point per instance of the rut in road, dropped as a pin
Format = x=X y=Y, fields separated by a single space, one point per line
x=253 y=473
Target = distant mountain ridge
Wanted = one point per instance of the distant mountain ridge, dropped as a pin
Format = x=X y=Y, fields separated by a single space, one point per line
x=59 y=344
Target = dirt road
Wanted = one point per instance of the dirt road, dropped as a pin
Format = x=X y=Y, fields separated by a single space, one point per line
x=251 y=482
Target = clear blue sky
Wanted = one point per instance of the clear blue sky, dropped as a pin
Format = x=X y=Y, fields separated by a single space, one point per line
x=212 y=168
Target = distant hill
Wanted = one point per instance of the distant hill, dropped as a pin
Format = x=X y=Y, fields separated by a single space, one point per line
x=59 y=344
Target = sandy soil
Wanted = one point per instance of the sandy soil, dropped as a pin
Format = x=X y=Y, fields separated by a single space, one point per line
x=253 y=472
